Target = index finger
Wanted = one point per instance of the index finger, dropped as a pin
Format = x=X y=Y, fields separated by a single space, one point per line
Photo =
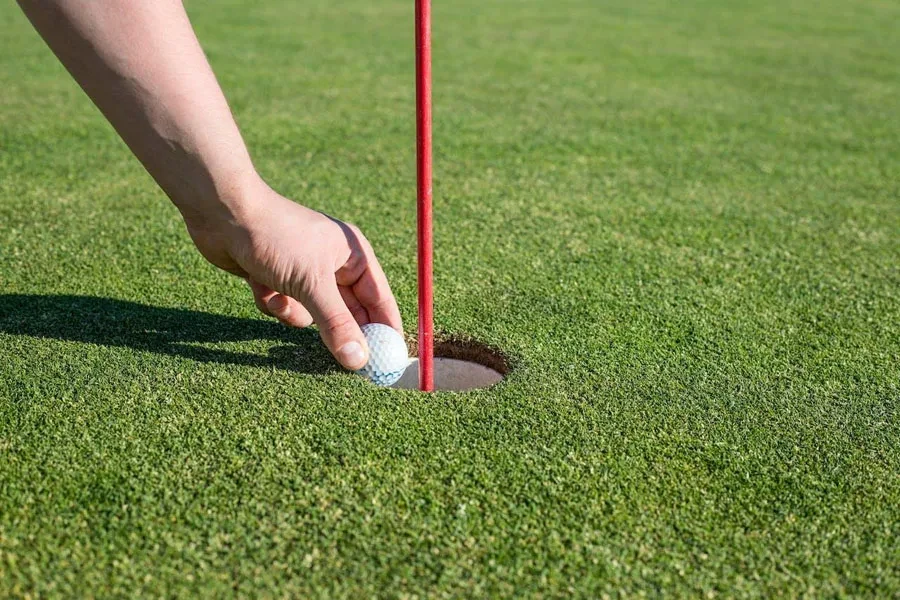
x=363 y=276
x=374 y=293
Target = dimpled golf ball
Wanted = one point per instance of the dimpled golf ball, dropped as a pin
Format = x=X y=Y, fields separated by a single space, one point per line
x=388 y=356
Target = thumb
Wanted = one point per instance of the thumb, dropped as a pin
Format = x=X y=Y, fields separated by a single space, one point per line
x=338 y=328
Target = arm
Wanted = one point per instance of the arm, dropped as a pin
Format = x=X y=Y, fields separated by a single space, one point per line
x=141 y=64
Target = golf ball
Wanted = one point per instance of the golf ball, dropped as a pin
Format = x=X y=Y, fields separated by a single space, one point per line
x=388 y=357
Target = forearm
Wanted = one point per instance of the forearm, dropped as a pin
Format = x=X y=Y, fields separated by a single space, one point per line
x=141 y=64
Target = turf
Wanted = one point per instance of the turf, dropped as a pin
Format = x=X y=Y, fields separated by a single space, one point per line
x=680 y=220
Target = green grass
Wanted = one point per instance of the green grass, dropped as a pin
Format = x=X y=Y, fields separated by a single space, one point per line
x=681 y=220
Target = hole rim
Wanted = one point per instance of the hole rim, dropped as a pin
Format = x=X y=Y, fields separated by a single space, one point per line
x=466 y=349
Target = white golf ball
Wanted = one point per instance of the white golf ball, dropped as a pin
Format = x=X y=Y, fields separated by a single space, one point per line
x=388 y=356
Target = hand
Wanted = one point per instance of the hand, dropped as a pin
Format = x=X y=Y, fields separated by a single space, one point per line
x=141 y=64
x=303 y=267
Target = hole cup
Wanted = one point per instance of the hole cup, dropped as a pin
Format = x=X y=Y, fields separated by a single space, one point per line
x=458 y=366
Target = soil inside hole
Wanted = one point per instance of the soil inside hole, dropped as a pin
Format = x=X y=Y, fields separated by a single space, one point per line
x=458 y=366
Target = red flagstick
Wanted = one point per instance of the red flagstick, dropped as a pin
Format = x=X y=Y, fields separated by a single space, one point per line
x=423 y=204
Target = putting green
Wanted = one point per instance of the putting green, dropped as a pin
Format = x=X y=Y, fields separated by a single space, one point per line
x=680 y=222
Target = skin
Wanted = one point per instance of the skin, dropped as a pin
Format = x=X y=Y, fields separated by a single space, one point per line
x=143 y=67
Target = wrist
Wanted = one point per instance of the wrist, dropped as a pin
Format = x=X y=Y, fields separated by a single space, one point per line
x=228 y=201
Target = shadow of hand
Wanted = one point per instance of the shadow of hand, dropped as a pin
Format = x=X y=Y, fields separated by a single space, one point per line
x=172 y=331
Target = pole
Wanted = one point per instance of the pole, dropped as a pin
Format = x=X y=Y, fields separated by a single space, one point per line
x=424 y=194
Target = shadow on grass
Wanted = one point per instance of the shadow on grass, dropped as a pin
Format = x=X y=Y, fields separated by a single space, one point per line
x=172 y=331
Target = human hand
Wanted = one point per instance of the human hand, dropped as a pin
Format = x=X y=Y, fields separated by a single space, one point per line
x=142 y=66
x=302 y=267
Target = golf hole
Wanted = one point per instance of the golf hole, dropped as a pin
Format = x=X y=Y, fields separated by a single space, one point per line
x=458 y=366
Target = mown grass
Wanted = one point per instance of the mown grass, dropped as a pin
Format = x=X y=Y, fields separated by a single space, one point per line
x=680 y=221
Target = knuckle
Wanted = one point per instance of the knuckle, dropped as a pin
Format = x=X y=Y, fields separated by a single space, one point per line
x=359 y=313
x=356 y=262
x=352 y=270
x=338 y=322
x=362 y=243
x=310 y=282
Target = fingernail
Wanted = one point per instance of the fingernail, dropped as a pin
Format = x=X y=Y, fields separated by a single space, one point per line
x=352 y=356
